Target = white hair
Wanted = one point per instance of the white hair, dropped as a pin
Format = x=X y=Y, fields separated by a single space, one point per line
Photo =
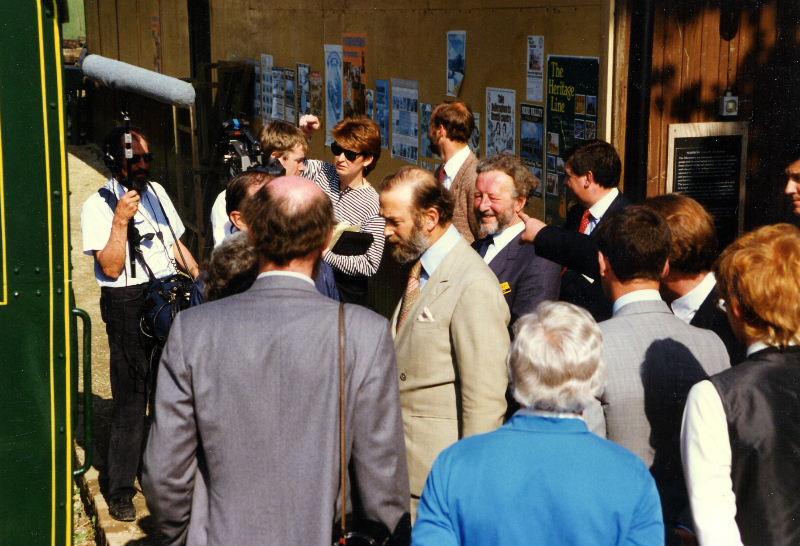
x=555 y=362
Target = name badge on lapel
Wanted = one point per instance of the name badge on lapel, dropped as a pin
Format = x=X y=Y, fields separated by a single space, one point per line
x=505 y=287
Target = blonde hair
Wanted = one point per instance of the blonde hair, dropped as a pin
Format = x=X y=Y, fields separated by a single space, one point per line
x=555 y=362
x=760 y=273
x=282 y=137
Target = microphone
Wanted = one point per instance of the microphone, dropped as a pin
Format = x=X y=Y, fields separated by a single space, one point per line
x=134 y=79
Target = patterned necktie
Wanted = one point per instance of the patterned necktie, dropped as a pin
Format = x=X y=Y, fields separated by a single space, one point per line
x=584 y=221
x=412 y=293
x=442 y=174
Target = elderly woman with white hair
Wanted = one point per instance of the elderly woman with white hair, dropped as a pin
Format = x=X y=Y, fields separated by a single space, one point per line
x=543 y=478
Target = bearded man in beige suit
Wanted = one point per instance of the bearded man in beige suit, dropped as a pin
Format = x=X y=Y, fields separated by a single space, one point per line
x=452 y=124
x=450 y=327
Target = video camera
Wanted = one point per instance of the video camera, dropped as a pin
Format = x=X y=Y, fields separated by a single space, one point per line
x=238 y=148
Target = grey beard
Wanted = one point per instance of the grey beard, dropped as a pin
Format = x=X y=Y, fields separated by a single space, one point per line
x=405 y=252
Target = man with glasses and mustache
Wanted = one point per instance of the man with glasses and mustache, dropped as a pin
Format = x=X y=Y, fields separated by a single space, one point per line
x=130 y=212
x=449 y=328
x=501 y=192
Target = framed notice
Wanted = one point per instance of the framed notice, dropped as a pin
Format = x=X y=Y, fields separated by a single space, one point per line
x=707 y=161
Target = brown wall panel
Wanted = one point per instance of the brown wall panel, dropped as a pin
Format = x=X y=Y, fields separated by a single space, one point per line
x=408 y=40
x=107 y=20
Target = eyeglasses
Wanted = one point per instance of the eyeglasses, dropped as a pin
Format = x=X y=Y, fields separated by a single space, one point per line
x=722 y=305
x=136 y=158
x=350 y=155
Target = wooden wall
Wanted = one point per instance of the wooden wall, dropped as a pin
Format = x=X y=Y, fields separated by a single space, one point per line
x=693 y=65
x=153 y=34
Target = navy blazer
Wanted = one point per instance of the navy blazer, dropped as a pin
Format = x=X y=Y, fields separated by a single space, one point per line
x=709 y=316
x=525 y=279
x=578 y=253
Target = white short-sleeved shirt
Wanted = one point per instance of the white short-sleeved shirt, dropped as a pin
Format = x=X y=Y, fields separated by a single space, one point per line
x=221 y=226
x=96 y=218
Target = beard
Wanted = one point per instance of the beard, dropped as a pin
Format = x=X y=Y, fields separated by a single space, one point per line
x=137 y=180
x=498 y=223
x=405 y=251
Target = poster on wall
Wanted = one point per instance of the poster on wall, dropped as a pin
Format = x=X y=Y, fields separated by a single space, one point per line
x=315 y=93
x=277 y=94
x=257 y=90
x=456 y=61
x=531 y=143
x=572 y=107
x=369 y=97
x=475 y=138
x=500 y=129
x=289 y=96
x=266 y=88
x=535 y=68
x=333 y=89
x=405 y=119
x=303 y=89
x=354 y=53
x=425 y=110
x=382 y=110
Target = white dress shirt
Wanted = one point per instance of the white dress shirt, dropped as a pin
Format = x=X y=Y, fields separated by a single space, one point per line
x=597 y=210
x=432 y=258
x=685 y=307
x=453 y=165
x=501 y=240
x=292 y=274
x=637 y=295
x=707 y=461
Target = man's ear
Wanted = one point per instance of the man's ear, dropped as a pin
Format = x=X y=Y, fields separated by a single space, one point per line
x=665 y=270
x=519 y=203
x=430 y=218
x=237 y=220
x=603 y=263
x=590 y=178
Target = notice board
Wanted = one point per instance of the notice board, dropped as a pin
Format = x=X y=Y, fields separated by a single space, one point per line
x=706 y=161
x=573 y=84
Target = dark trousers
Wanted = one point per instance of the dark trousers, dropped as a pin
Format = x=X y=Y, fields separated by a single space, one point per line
x=131 y=354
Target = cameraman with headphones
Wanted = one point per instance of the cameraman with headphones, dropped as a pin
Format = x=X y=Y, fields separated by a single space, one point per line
x=132 y=230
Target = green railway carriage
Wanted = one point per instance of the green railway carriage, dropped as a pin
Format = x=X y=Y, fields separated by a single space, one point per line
x=38 y=360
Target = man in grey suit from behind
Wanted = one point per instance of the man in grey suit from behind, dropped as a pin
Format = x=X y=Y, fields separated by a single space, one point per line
x=652 y=357
x=244 y=448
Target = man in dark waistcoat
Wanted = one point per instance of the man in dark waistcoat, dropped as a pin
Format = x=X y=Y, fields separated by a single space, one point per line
x=741 y=432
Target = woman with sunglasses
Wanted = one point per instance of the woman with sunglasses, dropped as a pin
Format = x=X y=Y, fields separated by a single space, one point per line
x=356 y=149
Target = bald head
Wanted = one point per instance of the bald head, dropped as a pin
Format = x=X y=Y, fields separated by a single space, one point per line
x=289 y=218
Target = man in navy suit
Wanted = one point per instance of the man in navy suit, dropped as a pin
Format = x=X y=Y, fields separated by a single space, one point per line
x=592 y=174
x=501 y=192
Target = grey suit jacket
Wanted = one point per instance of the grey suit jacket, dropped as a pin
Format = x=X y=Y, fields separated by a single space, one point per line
x=652 y=360
x=248 y=397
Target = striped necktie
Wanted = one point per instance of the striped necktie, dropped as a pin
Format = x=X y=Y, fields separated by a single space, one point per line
x=411 y=294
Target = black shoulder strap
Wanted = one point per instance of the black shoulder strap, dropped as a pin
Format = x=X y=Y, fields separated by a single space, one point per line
x=109 y=197
x=135 y=252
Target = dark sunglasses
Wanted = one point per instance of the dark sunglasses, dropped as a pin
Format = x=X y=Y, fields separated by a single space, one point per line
x=349 y=154
x=147 y=158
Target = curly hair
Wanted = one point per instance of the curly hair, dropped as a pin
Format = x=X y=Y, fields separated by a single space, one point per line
x=233 y=267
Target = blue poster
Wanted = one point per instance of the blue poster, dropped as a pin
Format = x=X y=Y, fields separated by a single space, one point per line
x=382 y=110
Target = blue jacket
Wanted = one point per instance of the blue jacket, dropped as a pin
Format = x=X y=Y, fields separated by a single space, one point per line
x=539 y=481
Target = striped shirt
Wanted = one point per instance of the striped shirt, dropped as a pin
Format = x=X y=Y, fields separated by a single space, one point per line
x=359 y=207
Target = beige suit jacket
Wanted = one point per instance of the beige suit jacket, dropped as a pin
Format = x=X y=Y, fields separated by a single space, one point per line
x=463 y=190
x=451 y=353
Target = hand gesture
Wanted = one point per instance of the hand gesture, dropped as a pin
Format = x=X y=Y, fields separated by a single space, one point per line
x=309 y=124
x=532 y=227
